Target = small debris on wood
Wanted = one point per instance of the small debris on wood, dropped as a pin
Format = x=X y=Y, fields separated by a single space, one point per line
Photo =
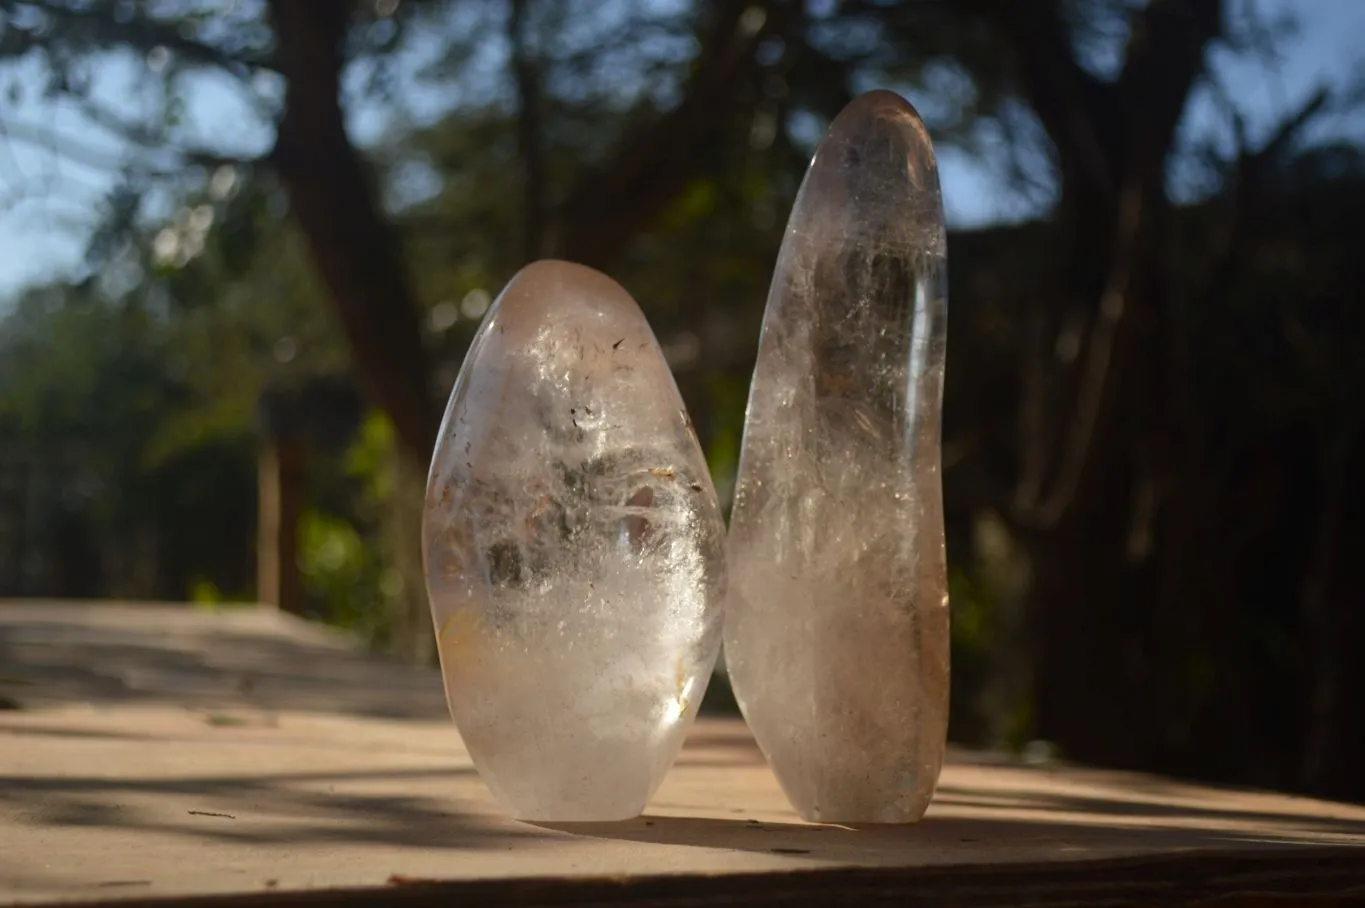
x=220 y=720
x=210 y=813
x=790 y=850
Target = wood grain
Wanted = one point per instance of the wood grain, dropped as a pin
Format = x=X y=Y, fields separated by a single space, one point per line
x=197 y=758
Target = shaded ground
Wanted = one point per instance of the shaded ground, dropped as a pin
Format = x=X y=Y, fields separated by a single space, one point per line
x=53 y=653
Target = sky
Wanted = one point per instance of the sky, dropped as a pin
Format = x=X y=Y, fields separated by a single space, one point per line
x=44 y=230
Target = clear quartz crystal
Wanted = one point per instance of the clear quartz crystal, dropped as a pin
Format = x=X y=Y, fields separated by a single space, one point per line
x=574 y=551
x=836 y=634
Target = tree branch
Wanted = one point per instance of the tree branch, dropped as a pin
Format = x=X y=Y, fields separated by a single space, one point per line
x=1285 y=133
x=654 y=164
x=74 y=149
x=1071 y=104
x=1096 y=380
x=1244 y=193
x=97 y=26
x=1165 y=57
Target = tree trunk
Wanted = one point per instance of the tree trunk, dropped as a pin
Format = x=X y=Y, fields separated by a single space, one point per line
x=1334 y=619
x=1087 y=372
x=529 y=145
x=332 y=195
x=281 y=481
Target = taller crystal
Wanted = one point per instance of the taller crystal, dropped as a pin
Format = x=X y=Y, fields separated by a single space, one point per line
x=836 y=634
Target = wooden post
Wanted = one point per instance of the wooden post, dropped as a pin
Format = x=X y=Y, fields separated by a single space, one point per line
x=294 y=420
x=281 y=480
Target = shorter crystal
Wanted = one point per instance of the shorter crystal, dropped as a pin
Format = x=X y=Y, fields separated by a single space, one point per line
x=574 y=551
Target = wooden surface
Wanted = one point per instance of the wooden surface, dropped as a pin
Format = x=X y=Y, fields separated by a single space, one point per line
x=161 y=751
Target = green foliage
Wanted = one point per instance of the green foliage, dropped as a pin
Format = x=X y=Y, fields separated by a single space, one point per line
x=341 y=574
x=972 y=612
x=355 y=571
x=371 y=458
x=86 y=387
x=729 y=396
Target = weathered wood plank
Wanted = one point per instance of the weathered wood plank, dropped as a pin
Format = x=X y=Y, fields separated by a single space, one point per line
x=249 y=757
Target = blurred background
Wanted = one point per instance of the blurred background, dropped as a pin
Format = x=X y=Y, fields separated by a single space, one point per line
x=244 y=244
